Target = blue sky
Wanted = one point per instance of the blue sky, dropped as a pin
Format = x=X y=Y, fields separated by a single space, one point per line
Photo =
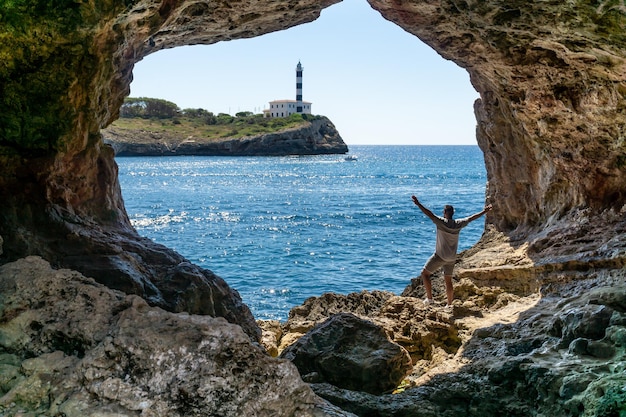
x=377 y=83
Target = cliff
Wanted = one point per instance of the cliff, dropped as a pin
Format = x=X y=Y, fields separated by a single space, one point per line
x=314 y=138
x=551 y=122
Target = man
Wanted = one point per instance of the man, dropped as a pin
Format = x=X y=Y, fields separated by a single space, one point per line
x=448 y=230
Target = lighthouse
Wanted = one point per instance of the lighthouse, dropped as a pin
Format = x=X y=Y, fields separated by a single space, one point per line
x=299 y=88
x=285 y=108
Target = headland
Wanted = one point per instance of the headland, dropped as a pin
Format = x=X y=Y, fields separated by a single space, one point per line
x=297 y=135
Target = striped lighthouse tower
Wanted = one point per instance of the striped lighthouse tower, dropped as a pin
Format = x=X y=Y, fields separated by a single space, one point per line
x=299 y=107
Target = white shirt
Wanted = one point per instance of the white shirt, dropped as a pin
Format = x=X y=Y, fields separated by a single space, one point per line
x=448 y=236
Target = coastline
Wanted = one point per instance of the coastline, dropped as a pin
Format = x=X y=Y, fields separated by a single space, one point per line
x=317 y=137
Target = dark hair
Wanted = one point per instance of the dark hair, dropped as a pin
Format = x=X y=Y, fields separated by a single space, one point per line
x=448 y=209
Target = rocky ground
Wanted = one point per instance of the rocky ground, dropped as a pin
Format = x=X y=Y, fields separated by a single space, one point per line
x=558 y=352
x=555 y=348
x=70 y=346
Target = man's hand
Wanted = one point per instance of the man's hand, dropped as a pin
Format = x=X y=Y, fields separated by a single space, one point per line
x=488 y=208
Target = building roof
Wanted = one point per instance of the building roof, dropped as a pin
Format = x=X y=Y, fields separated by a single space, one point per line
x=290 y=101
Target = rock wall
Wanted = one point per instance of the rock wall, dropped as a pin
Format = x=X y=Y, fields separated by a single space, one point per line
x=552 y=108
x=317 y=137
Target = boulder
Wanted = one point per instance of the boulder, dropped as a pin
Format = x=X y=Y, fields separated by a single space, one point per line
x=70 y=346
x=350 y=353
x=419 y=329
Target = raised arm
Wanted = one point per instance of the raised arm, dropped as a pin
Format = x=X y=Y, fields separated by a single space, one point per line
x=480 y=213
x=427 y=212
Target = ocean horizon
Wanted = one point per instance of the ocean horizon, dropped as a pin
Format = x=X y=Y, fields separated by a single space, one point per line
x=282 y=229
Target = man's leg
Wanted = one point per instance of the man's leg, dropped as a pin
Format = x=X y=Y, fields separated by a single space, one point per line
x=449 y=288
x=432 y=264
x=428 y=286
x=448 y=270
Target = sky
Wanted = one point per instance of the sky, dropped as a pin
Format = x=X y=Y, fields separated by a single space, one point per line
x=378 y=84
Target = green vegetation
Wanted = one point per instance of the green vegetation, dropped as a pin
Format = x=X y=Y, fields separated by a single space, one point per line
x=45 y=48
x=157 y=115
x=36 y=71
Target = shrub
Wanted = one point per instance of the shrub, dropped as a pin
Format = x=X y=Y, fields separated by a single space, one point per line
x=148 y=108
x=224 y=119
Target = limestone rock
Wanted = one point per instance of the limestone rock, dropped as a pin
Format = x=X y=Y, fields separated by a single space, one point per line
x=317 y=137
x=272 y=333
x=316 y=310
x=517 y=359
x=430 y=334
x=350 y=353
x=421 y=330
x=70 y=346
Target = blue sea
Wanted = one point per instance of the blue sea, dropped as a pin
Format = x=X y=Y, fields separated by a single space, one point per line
x=282 y=229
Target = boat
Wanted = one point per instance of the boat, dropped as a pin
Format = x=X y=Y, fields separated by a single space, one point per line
x=351 y=158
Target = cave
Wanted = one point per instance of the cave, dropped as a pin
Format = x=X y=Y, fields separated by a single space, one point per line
x=551 y=122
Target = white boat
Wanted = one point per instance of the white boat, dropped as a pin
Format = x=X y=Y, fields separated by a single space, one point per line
x=351 y=158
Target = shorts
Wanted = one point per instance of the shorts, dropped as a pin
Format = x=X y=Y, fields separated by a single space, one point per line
x=435 y=262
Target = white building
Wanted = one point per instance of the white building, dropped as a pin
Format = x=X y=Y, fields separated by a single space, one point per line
x=285 y=108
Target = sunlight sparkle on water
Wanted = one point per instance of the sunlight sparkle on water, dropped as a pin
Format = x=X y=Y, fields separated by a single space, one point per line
x=280 y=230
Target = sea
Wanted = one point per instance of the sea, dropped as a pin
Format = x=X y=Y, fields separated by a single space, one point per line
x=282 y=229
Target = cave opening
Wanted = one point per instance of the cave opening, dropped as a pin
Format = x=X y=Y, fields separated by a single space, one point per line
x=378 y=83
x=380 y=86
x=556 y=173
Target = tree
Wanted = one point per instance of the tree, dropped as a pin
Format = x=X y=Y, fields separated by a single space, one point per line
x=149 y=107
x=161 y=109
x=195 y=113
x=210 y=118
x=224 y=119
